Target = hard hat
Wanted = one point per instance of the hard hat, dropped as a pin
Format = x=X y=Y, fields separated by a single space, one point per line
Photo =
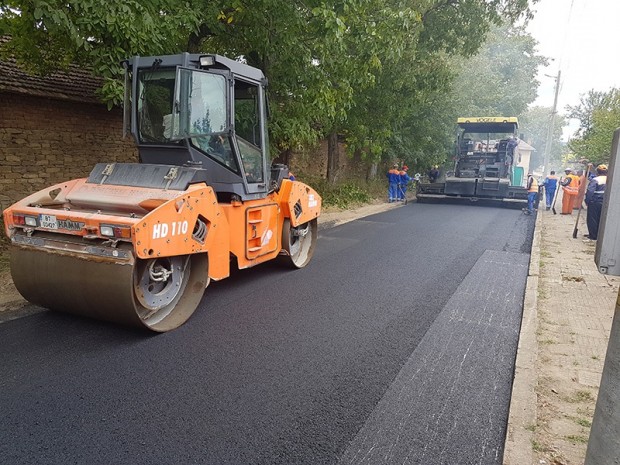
x=602 y=167
x=567 y=170
x=395 y=165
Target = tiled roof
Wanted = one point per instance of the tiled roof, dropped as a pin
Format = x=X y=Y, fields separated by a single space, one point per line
x=77 y=84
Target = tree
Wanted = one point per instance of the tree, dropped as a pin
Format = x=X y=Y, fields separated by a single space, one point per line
x=374 y=70
x=50 y=35
x=599 y=116
x=501 y=79
x=534 y=124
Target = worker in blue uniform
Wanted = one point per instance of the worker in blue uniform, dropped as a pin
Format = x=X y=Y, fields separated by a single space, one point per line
x=594 y=200
x=393 y=176
x=404 y=179
x=550 y=184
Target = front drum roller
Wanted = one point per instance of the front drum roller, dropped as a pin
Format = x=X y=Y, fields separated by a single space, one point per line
x=298 y=242
x=159 y=294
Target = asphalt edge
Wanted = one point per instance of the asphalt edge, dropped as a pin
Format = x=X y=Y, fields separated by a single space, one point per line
x=522 y=418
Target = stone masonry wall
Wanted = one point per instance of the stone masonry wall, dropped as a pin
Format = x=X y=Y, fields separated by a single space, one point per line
x=314 y=163
x=46 y=141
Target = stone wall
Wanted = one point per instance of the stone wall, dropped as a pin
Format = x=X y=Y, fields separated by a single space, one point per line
x=46 y=141
x=313 y=163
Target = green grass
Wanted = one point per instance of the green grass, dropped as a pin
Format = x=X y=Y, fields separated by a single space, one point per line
x=583 y=422
x=576 y=439
x=348 y=194
x=539 y=447
x=580 y=396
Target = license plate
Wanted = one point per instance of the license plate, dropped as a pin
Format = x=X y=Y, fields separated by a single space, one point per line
x=48 y=221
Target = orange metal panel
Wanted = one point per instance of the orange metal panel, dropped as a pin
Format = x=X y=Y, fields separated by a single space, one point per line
x=309 y=201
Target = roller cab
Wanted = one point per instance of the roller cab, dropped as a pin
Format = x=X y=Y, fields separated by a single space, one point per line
x=138 y=243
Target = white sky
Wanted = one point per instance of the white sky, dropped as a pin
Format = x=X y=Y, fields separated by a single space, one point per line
x=582 y=40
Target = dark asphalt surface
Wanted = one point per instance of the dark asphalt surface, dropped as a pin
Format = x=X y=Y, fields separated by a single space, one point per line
x=395 y=345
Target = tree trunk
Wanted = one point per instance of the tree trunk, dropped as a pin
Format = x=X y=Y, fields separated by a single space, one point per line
x=333 y=157
x=372 y=171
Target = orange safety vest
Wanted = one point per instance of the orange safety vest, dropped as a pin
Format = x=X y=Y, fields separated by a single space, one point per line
x=573 y=187
x=533 y=184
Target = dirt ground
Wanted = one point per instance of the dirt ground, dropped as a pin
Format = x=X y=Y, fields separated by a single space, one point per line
x=11 y=301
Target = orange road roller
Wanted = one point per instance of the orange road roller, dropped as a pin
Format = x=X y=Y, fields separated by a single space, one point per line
x=138 y=243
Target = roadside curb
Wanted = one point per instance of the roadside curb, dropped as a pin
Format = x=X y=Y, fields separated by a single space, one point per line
x=523 y=411
x=339 y=217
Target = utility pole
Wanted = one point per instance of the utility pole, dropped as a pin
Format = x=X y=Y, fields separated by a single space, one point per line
x=549 y=142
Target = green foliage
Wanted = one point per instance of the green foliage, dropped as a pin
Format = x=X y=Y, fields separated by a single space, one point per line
x=599 y=116
x=346 y=195
x=377 y=71
x=534 y=124
x=49 y=35
x=501 y=79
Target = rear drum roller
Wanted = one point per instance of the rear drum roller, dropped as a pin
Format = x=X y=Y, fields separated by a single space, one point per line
x=158 y=294
x=298 y=242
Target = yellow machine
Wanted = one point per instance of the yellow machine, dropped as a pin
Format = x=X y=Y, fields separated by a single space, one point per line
x=137 y=243
x=485 y=169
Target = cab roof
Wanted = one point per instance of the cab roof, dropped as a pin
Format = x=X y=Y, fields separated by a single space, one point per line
x=488 y=124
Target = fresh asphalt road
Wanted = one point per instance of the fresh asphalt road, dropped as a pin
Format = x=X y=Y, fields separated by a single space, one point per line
x=395 y=345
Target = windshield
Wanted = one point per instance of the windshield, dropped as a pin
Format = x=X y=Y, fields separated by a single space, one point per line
x=202 y=108
x=155 y=97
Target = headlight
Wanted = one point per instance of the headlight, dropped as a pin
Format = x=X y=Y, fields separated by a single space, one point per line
x=107 y=231
x=31 y=221
x=113 y=230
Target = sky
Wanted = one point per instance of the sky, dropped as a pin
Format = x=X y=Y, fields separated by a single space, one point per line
x=582 y=40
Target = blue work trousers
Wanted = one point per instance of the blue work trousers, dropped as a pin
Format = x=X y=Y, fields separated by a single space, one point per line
x=549 y=193
x=531 y=197
x=393 y=191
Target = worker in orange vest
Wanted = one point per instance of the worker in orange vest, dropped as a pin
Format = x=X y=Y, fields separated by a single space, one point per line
x=532 y=192
x=570 y=189
x=393 y=176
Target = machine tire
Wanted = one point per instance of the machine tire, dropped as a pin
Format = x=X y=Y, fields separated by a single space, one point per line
x=298 y=242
